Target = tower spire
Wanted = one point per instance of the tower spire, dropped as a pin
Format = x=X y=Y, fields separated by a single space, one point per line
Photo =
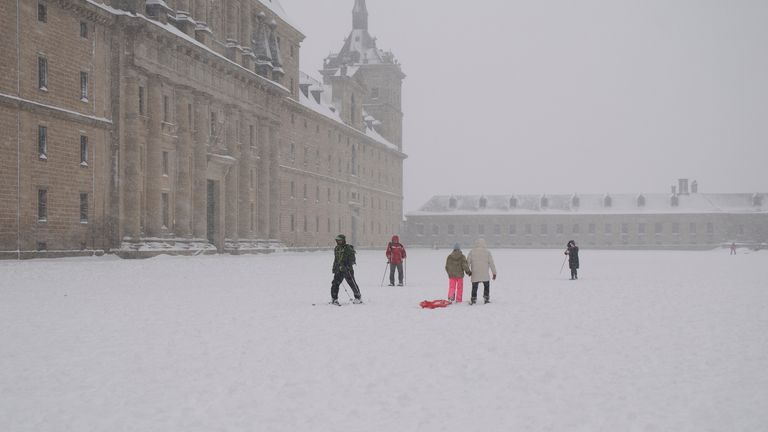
x=360 y=16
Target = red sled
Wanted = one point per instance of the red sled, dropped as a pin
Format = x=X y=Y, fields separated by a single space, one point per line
x=434 y=304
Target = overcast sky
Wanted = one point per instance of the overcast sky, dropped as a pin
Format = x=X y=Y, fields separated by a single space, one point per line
x=563 y=96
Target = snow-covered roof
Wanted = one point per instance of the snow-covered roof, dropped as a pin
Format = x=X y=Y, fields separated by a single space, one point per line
x=560 y=204
x=277 y=9
x=326 y=107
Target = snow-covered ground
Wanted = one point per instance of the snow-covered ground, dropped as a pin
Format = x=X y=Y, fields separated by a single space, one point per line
x=645 y=341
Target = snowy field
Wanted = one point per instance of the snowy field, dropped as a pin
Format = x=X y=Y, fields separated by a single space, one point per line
x=645 y=341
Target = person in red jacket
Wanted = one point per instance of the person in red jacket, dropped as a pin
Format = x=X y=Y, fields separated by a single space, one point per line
x=395 y=257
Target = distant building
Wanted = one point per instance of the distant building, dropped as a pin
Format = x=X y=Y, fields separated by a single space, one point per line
x=682 y=219
x=138 y=127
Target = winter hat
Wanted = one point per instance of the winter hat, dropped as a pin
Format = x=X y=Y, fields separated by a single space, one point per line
x=456 y=246
x=341 y=237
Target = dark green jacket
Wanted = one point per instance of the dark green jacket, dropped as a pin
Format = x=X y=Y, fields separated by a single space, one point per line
x=344 y=258
x=456 y=265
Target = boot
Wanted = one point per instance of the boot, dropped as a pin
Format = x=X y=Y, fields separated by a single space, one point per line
x=472 y=301
x=487 y=300
x=335 y=302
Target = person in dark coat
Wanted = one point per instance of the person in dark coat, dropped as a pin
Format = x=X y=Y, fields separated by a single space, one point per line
x=573 y=259
x=344 y=259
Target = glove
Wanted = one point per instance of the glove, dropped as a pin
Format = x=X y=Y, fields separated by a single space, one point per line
x=494 y=277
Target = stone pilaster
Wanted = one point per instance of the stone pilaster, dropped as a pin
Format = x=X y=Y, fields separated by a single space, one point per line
x=232 y=144
x=154 y=162
x=264 y=176
x=184 y=146
x=200 y=165
x=131 y=175
x=244 y=199
x=274 y=183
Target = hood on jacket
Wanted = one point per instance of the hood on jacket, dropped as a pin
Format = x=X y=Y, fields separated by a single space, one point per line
x=395 y=239
x=457 y=247
x=480 y=243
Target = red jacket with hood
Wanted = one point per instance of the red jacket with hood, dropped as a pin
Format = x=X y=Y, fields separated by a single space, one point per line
x=395 y=251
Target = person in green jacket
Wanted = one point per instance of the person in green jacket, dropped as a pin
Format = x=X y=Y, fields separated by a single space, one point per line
x=456 y=265
x=344 y=259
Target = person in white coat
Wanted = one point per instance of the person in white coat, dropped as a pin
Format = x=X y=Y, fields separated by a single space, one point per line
x=482 y=267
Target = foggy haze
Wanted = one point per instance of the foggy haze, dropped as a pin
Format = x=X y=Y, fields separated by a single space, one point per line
x=562 y=97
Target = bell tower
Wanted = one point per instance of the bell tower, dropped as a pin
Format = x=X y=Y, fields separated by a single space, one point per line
x=379 y=73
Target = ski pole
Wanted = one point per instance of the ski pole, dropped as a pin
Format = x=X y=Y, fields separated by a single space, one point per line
x=405 y=272
x=563 y=266
x=386 y=266
x=345 y=289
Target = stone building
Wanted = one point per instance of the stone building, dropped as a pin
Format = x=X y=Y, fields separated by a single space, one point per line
x=682 y=219
x=146 y=126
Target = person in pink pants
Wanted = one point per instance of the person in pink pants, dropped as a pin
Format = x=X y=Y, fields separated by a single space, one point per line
x=456 y=265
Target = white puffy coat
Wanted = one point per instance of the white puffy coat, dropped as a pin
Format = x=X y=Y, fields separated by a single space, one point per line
x=480 y=262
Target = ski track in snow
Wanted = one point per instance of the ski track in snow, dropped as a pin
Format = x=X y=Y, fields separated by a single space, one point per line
x=645 y=341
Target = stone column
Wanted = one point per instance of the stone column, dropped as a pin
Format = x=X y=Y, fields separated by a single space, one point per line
x=200 y=166
x=231 y=18
x=274 y=183
x=232 y=144
x=154 y=158
x=264 y=176
x=201 y=11
x=183 y=225
x=131 y=178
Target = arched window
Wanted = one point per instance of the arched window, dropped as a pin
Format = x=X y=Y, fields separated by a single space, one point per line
x=483 y=202
x=544 y=202
x=452 y=203
x=607 y=201
x=641 y=201
x=513 y=202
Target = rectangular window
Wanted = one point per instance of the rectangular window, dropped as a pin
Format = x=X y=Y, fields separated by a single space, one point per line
x=293 y=190
x=375 y=93
x=253 y=216
x=251 y=136
x=420 y=229
x=42 y=73
x=166 y=163
x=83 y=150
x=42 y=142
x=42 y=205
x=83 y=208
x=83 y=29
x=166 y=109
x=305 y=191
x=141 y=100
x=84 y=86
x=166 y=210
x=212 y=129
x=42 y=12
x=293 y=223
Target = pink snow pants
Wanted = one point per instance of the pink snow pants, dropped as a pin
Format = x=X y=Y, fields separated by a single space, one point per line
x=456 y=287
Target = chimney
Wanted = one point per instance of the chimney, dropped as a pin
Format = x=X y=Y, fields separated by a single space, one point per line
x=683 y=183
x=695 y=187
